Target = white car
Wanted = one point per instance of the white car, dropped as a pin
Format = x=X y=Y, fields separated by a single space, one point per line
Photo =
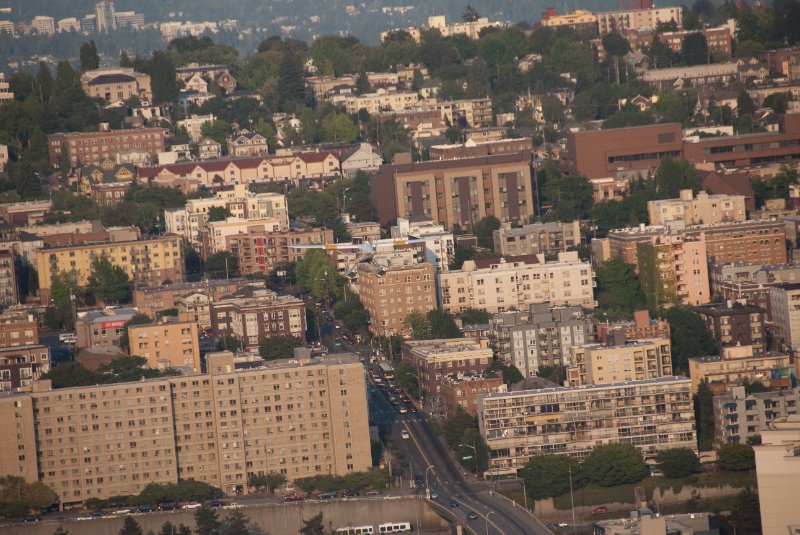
x=232 y=505
x=193 y=505
x=405 y=434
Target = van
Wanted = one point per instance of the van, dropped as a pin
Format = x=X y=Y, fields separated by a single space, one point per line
x=68 y=338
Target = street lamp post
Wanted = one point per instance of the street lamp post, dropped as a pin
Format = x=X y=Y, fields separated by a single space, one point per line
x=571 y=499
x=487 y=521
x=475 y=453
x=427 y=486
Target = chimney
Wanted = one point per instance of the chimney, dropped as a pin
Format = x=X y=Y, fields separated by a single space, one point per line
x=104 y=127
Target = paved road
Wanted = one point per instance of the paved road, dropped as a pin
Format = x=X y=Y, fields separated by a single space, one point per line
x=428 y=459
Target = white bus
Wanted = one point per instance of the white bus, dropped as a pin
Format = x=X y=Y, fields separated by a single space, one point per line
x=395 y=527
x=359 y=530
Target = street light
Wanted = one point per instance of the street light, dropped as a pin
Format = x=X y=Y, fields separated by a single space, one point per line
x=571 y=499
x=427 y=486
x=487 y=521
x=474 y=452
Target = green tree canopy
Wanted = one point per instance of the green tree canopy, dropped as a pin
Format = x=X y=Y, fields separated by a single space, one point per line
x=318 y=275
x=694 y=49
x=474 y=316
x=432 y=325
x=313 y=526
x=90 y=60
x=218 y=213
x=677 y=462
x=545 y=476
x=216 y=130
x=690 y=337
x=672 y=176
x=206 y=521
x=736 y=457
x=406 y=376
x=222 y=265
x=619 y=290
x=130 y=527
x=19 y=497
x=109 y=282
x=483 y=230
x=614 y=464
x=278 y=347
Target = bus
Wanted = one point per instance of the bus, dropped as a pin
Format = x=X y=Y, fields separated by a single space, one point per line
x=388 y=372
x=395 y=527
x=358 y=530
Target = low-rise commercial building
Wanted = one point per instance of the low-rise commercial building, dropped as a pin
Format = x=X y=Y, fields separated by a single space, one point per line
x=102 y=327
x=299 y=419
x=516 y=282
x=740 y=417
x=545 y=238
x=697 y=209
x=778 y=475
x=735 y=323
x=251 y=314
x=393 y=286
x=167 y=343
x=21 y=366
x=737 y=364
x=622 y=361
x=645 y=522
x=540 y=335
x=651 y=415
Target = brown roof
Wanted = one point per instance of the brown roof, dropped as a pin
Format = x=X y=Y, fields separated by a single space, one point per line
x=729 y=184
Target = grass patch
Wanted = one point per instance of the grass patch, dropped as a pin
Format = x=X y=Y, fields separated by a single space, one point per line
x=597 y=495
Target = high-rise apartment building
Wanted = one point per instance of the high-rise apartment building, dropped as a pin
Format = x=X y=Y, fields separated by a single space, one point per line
x=299 y=419
x=147 y=262
x=538 y=336
x=393 y=286
x=456 y=192
x=105 y=16
x=516 y=282
x=623 y=361
x=651 y=415
x=673 y=269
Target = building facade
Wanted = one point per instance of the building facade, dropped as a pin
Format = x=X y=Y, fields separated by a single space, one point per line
x=151 y=300
x=515 y=282
x=697 y=209
x=18 y=328
x=82 y=148
x=259 y=251
x=737 y=364
x=168 y=343
x=785 y=305
x=539 y=336
x=456 y=192
x=21 y=366
x=739 y=417
x=462 y=390
x=114 y=85
x=642 y=327
x=545 y=238
x=8 y=279
x=297 y=419
x=735 y=323
x=623 y=361
x=778 y=475
x=102 y=327
x=651 y=415
x=638 y=19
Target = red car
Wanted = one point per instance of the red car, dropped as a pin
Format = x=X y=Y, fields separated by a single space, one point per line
x=601 y=509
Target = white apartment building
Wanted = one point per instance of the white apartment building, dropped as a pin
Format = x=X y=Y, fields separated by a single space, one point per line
x=515 y=282
x=190 y=220
x=439 y=245
x=381 y=100
x=778 y=474
x=651 y=415
x=6 y=95
x=471 y=29
x=194 y=125
x=213 y=237
x=785 y=304
x=702 y=209
x=638 y=19
x=43 y=25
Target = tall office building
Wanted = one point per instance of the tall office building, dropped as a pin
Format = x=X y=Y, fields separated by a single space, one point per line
x=105 y=13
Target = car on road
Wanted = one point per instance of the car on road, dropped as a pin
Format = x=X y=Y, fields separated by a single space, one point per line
x=453 y=503
x=328 y=495
x=232 y=505
x=598 y=510
x=405 y=434
x=295 y=497
x=350 y=494
x=472 y=515
x=434 y=495
x=122 y=512
x=403 y=409
x=215 y=503
x=145 y=509
x=372 y=493
x=192 y=505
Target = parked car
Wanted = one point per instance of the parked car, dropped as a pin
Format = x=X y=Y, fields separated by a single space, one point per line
x=192 y=505
x=598 y=510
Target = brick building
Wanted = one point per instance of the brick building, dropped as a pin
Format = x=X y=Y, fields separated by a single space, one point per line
x=735 y=323
x=20 y=366
x=150 y=300
x=642 y=327
x=462 y=390
x=102 y=327
x=18 y=328
x=82 y=148
x=259 y=250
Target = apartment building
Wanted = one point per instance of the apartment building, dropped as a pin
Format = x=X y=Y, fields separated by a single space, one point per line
x=214 y=234
x=247 y=144
x=768 y=274
x=719 y=39
x=455 y=192
x=190 y=220
x=147 y=262
x=462 y=390
x=251 y=314
x=151 y=300
x=515 y=282
x=545 y=238
x=20 y=366
x=651 y=415
x=580 y=19
x=778 y=475
x=736 y=364
x=380 y=100
x=697 y=209
x=540 y=335
x=194 y=125
x=8 y=279
x=366 y=231
x=475 y=149
x=674 y=270
x=259 y=250
x=739 y=416
x=438 y=246
x=6 y=95
x=115 y=85
x=82 y=148
x=18 y=328
x=26 y=212
x=167 y=343
x=435 y=360
x=642 y=327
x=299 y=419
x=785 y=305
x=43 y=25
x=638 y=19
x=391 y=287
x=735 y=323
x=471 y=30
x=621 y=361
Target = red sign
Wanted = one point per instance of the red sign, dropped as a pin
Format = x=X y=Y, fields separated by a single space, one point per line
x=114 y=324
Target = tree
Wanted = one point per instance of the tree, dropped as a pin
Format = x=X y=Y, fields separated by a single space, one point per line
x=615 y=45
x=237 y=523
x=614 y=464
x=162 y=78
x=109 y=282
x=472 y=452
x=362 y=83
x=18 y=497
x=509 y=372
x=406 y=377
x=484 y=229
x=690 y=337
x=736 y=457
x=434 y=324
x=470 y=14
x=704 y=415
x=619 y=290
x=64 y=289
x=70 y=374
x=694 y=49
x=338 y=127
x=218 y=213
x=130 y=527
x=746 y=513
x=317 y=274
x=352 y=314
x=90 y=60
x=216 y=130
x=222 y=265
x=291 y=86
x=129 y=368
x=268 y=482
x=313 y=526
x=278 y=347
x=545 y=476
x=455 y=426
x=673 y=175
x=206 y=521
x=474 y=316
x=677 y=462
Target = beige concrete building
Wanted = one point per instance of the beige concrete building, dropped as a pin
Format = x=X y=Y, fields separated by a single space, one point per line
x=6 y=95
x=381 y=100
x=739 y=416
x=147 y=262
x=470 y=29
x=736 y=364
x=673 y=269
x=651 y=415
x=119 y=84
x=638 y=19
x=625 y=361
x=391 y=287
x=169 y=343
x=545 y=238
x=151 y=300
x=299 y=419
x=698 y=209
x=784 y=300
x=214 y=235
x=515 y=282
x=778 y=474
x=578 y=19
